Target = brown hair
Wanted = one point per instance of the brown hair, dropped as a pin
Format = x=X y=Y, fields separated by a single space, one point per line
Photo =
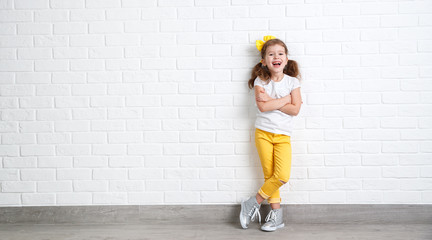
x=261 y=71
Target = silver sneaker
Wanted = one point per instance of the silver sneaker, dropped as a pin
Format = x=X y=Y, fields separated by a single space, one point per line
x=249 y=211
x=274 y=220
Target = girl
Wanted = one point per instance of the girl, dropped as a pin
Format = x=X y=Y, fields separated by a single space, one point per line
x=278 y=98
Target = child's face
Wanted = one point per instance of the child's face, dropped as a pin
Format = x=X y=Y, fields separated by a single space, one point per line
x=275 y=59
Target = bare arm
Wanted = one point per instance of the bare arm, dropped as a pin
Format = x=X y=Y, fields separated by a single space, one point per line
x=293 y=108
x=269 y=104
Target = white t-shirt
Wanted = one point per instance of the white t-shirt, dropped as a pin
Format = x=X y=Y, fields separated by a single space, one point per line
x=276 y=121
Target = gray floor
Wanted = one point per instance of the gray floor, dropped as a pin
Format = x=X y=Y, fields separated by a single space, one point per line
x=213 y=231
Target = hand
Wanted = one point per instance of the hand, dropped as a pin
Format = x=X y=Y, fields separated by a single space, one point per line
x=263 y=96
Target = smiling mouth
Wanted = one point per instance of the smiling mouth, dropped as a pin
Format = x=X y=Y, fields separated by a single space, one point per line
x=276 y=64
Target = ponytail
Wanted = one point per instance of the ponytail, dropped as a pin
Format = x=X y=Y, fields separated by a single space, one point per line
x=258 y=71
x=292 y=69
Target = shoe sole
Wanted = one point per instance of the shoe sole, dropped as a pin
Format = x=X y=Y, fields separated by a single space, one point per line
x=244 y=226
x=273 y=229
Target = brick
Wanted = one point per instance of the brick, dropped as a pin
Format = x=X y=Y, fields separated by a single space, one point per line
x=110 y=174
x=218 y=196
x=51 y=41
x=163 y=185
x=87 y=15
x=9 y=175
x=233 y=161
x=74 y=174
x=90 y=186
x=231 y=12
x=15 y=16
x=146 y=197
x=181 y=173
x=119 y=161
x=126 y=138
x=400 y=147
x=378 y=35
x=200 y=185
x=342 y=184
x=216 y=149
x=139 y=3
x=327 y=197
x=197 y=137
x=38 y=174
x=400 y=172
x=157 y=13
x=53 y=90
x=73 y=150
x=126 y=186
x=38 y=199
x=212 y=3
x=372 y=197
x=162 y=161
x=230 y=38
x=54 y=186
x=67 y=4
x=51 y=15
x=194 y=38
x=74 y=198
x=28 y=4
x=144 y=149
x=126 y=14
x=401 y=197
x=214 y=26
x=61 y=77
x=92 y=161
x=380 y=135
x=324 y=23
x=194 y=13
x=102 y=3
x=55 y=162
x=345 y=35
x=178 y=51
x=67 y=126
x=72 y=102
x=217 y=173
x=18 y=139
x=182 y=197
x=19 y=162
x=89 y=114
x=178 y=26
x=200 y=162
x=215 y=100
x=233 y=136
x=42 y=53
x=417 y=7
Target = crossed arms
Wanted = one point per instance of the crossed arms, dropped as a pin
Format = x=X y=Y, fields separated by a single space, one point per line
x=289 y=104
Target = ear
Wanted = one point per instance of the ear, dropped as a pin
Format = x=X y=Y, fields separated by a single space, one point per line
x=262 y=62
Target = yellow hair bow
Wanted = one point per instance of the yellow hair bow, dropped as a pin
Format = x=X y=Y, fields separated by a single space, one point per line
x=260 y=44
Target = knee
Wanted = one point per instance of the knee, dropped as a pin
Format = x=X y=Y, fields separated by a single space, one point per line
x=283 y=181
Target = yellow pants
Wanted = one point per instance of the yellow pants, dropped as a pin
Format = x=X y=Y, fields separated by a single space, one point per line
x=274 y=151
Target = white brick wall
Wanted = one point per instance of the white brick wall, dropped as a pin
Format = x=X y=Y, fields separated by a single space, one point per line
x=146 y=102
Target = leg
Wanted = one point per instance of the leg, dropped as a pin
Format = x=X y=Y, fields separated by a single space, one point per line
x=282 y=166
x=264 y=145
x=275 y=205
